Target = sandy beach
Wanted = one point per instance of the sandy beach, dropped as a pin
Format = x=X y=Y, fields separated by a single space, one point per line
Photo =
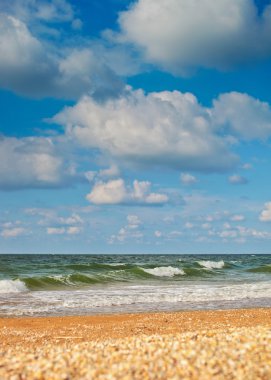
x=228 y=344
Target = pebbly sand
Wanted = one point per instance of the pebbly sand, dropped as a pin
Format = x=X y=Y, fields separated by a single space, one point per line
x=232 y=344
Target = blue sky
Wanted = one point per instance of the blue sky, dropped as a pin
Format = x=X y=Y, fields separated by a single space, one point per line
x=135 y=127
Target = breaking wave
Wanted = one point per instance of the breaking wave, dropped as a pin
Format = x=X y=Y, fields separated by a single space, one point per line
x=261 y=269
x=12 y=286
x=164 y=271
x=82 y=284
x=212 y=264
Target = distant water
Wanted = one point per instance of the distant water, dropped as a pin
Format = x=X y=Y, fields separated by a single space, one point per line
x=89 y=284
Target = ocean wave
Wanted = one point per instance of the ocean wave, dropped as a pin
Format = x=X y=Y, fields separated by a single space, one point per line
x=59 y=281
x=164 y=271
x=197 y=272
x=95 y=266
x=80 y=278
x=83 y=279
x=116 y=264
x=12 y=286
x=130 y=298
x=261 y=269
x=211 y=264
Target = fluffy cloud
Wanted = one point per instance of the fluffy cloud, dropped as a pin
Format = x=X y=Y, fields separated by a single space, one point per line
x=111 y=172
x=33 y=162
x=133 y=221
x=116 y=192
x=12 y=232
x=71 y=220
x=237 y=218
x=188 y=179
x=63 y=231
x=56 y=224
x=237 y=180
x=55 y=11
x=73 y=230
x=131 y=230
x=243 y=115
x=244 y=232
x=265 y=215
x=56 y=230
x=159 y=129
x=238 y=234
x=112 y=192
x=36 y=68
x=180 y=34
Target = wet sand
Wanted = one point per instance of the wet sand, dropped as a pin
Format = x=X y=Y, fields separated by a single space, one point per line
x=228 y=344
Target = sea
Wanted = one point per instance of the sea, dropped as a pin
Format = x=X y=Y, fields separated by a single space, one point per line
x=57 y=285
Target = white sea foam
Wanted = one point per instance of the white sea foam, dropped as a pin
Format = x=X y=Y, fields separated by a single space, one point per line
x=164 y=271
x=212 y=264
x=12 y=286
x=116 y=264
x=128 y=298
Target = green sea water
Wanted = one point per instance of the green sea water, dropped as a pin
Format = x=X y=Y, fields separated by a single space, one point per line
x=91 y=284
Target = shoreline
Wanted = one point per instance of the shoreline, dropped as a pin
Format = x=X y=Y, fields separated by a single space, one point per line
x=106 y=326
x=211 y=344
x=136 y=312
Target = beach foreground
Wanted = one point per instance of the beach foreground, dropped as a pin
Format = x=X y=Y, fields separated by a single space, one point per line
x=228 y=344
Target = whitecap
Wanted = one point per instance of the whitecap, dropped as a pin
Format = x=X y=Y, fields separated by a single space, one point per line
x=164 y=271
x=212 y=264
x=116 y=264
x=12 y=286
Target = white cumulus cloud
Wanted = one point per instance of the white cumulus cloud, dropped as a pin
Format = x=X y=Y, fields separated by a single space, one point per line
x=243 y=115
x=117 y=192
x=188 y=179
x=112 y=171
x=31 y=10
x=265 y=215
x=72 y=230
x=12 y=232
x=158 y=129
x=36 y=68
x=181 y=34
x=33 y=162
x=237 y=180
x=132 y=230
x=56 y=230
x=112 y=192
x=237 y=218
